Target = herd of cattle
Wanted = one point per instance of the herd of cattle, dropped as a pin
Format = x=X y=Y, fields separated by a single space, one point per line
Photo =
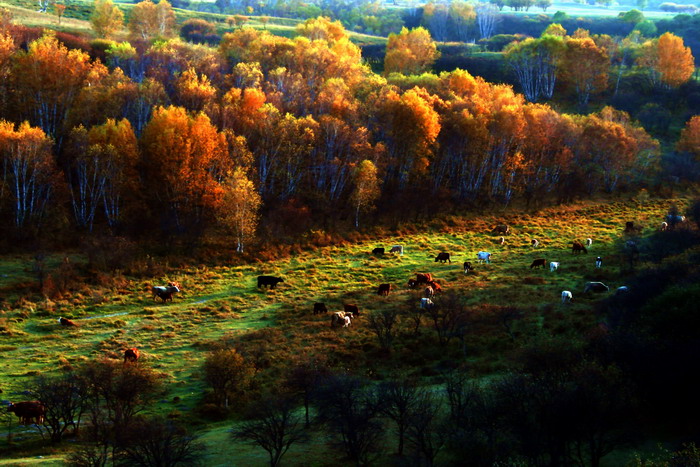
x=33 y=412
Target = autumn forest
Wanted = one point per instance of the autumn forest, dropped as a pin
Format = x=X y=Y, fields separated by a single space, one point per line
x=191 y=192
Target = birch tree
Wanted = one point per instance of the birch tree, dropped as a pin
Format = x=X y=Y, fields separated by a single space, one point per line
x=366 y=188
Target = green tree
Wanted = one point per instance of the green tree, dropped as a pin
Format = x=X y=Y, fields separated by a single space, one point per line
x=227 y=372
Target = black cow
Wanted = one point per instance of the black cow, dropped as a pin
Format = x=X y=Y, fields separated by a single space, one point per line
x=270 y=281
x=384 y=289
x=540 y=262
x=320 y=308
x=378 y=251
x=442 y=257
x=467 y=267
x=350 y=308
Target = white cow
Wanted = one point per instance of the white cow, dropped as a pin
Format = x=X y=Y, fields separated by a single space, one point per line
x=553 y=266
x=622 y=290
x=599 y=262
x=566 y=297
x=534 y=242
x=664 y=226
x=589 y=242
x=483 y=256
x=502 y=240
x=397 y=249
x=426 y=303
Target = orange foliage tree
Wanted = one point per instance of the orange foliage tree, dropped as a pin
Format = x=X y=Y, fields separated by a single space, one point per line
x=29 y=176
x=689 y=140
x=667 y=60
x=182 y=157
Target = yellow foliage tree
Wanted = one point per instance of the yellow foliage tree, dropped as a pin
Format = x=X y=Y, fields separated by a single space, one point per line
x=366 y=189
x=239 y=208
x=410 y=52
x=106 y=18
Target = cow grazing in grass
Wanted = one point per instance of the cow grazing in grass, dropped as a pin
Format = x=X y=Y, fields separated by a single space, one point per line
x=165 y=293
x=483 y=256
x=534 y=243
x=351 y=308
x=384 y=289
x=664 y=226
x=622 y=290
x=502 y=241
x=67 y=322
x=426 y=304
x=599 y=262
x=28 y=412
x=320 y=308
x=630 y=228
x=131 y=355
x=443 y=257
x=397 y=249
x=423 y=277
x=412 y=283
x=553 y=266
x=673 y=219
x=589 y=242
x=429 y=292
x=597 y=287
x=436 y=287
x=341 y=319
x=467 y=267
x=378 y=251
x=566 y=297
x=577 y=247
x=501 y=229
x=539 y=263
x=269 y=281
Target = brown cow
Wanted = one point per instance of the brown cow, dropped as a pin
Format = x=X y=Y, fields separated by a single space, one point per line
x=436 y=287
x=131 y=355
x=429 y=292
x=384 y=289
x=540 y=262
x=577 y=247
x=423 y=278
x=351 y=308
x=29 y=412
x=501 y=229
x=320 y=308
x=66 y=322
x=342 y=319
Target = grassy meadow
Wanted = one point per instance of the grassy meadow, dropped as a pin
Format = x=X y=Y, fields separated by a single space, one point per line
x=116 y=311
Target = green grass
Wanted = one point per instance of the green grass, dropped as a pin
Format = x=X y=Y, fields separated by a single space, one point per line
x=223 y=300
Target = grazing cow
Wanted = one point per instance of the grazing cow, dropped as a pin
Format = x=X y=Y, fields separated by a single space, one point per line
x=131 y=355
x=534 y=242
x=320 y=308
x=553 y=266
x=566 y=297
x=341 y=318
x=429 y=292
x=165 y=293
x=483 y=256
x=664 y=226
x=589 y=242
x=502 y=229
x=467 y=267
x=423 y=278
x=384 y=289
x=502 y=241
x=352 y=309
x=622 y=290
x=66 y=322
x=412 y=283
x=597 y=287
x=631 y=228
x=435 y=286
x=577 y=247
x=673 y=219
x=599 y=262
x=378 y=251
x=397 y=249
x=270 y=281
x=426 y=303
x=539 y=262
x=442 y=257
x=28 y=412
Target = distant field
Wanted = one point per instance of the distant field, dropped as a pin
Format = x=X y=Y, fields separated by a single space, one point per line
x=223 y=300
